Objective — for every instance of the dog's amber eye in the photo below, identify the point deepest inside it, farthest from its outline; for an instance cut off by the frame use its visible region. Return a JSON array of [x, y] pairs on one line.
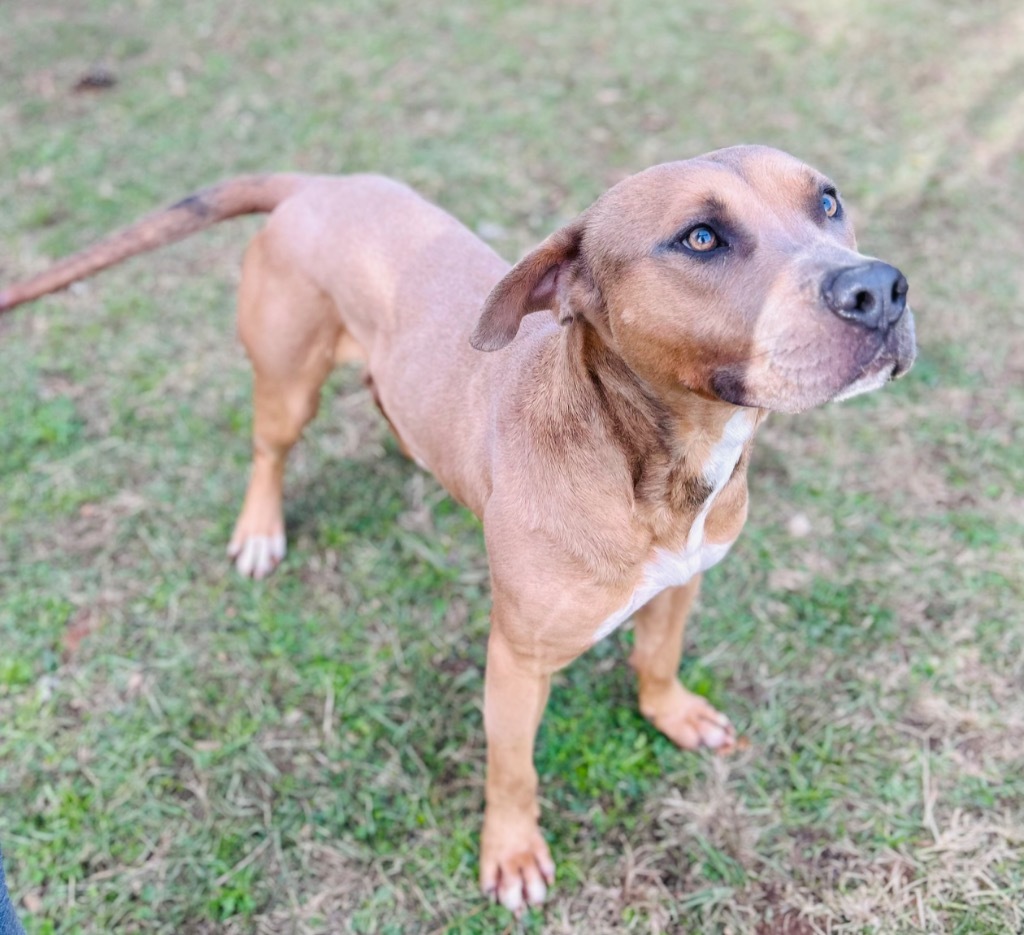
[[702, 239], [829, 204]]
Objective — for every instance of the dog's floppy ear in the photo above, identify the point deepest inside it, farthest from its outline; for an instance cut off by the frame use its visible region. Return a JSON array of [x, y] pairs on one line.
[[538, 281]]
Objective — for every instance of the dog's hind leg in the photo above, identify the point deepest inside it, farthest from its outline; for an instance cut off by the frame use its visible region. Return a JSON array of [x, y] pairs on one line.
[[292, 335]]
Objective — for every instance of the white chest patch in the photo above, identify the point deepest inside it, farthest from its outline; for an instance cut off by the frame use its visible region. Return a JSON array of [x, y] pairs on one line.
[[665, 569]]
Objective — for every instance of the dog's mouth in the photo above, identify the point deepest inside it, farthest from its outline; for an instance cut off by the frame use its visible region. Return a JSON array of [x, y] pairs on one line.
[[855, 362], [873, 378], [893, 358]]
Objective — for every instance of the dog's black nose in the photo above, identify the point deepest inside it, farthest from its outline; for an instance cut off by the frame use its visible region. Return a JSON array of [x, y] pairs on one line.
[[873, 295]]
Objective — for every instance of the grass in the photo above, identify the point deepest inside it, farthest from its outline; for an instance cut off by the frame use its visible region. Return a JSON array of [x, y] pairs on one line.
[[183, 751]]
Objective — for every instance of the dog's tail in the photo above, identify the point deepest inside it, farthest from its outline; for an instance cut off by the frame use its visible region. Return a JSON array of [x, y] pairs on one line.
[[246, 194]]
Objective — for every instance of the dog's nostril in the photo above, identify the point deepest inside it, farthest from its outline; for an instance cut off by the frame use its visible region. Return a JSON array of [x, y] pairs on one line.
[[900, 288], [864, 301]]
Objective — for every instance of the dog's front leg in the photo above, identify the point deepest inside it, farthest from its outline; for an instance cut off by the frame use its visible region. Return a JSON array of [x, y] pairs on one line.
[[685, 718], [515, 864]]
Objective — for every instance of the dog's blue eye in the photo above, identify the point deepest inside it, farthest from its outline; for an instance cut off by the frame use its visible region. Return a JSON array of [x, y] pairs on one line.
[[702, 239], [829, 204]]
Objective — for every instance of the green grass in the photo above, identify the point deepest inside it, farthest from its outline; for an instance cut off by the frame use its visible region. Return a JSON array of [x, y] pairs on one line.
[[183, 751]]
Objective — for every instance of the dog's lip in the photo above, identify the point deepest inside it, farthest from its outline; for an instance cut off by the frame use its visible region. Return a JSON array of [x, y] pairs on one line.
[[884, 357], [890, 359]]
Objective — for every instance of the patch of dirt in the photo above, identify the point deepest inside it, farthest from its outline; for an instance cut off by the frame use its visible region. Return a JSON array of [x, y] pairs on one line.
[[96, 524], [84, 622]]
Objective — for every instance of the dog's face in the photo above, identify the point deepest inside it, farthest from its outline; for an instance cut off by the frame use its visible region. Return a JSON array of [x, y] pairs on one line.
[[735, 275]]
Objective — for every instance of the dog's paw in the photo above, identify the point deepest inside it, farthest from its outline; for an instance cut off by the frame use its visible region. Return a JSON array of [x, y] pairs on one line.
[[690, 722], [256, 556], [516, 869]]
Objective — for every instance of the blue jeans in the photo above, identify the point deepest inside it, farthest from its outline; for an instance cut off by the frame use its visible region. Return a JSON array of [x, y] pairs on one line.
[[9, 924]]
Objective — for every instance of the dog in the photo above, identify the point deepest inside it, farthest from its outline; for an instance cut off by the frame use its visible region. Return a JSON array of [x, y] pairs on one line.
[[595, 404]]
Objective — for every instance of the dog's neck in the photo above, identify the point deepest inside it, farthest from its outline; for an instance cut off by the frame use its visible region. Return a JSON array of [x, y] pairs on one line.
[[665, 438]]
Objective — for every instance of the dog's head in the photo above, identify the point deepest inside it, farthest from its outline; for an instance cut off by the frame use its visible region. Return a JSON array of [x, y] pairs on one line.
[[735, 275]]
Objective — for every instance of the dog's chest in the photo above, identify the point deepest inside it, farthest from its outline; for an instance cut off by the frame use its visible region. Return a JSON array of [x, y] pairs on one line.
[[667, 568]]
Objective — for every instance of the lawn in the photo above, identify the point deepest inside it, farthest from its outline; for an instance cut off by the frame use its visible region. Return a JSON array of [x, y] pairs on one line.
[[185, 751]]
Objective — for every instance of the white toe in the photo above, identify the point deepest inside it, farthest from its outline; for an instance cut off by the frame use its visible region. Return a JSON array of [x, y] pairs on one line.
[[714, 737], [264, 560], [246, 558], [512, 897], [535, 892]]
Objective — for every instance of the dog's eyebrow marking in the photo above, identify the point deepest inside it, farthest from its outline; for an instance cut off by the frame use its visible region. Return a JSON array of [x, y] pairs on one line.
[[710, 210], [713, 207]]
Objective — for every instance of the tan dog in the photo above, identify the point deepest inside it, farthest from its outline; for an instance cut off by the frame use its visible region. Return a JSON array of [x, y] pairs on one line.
[[604, 445]]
